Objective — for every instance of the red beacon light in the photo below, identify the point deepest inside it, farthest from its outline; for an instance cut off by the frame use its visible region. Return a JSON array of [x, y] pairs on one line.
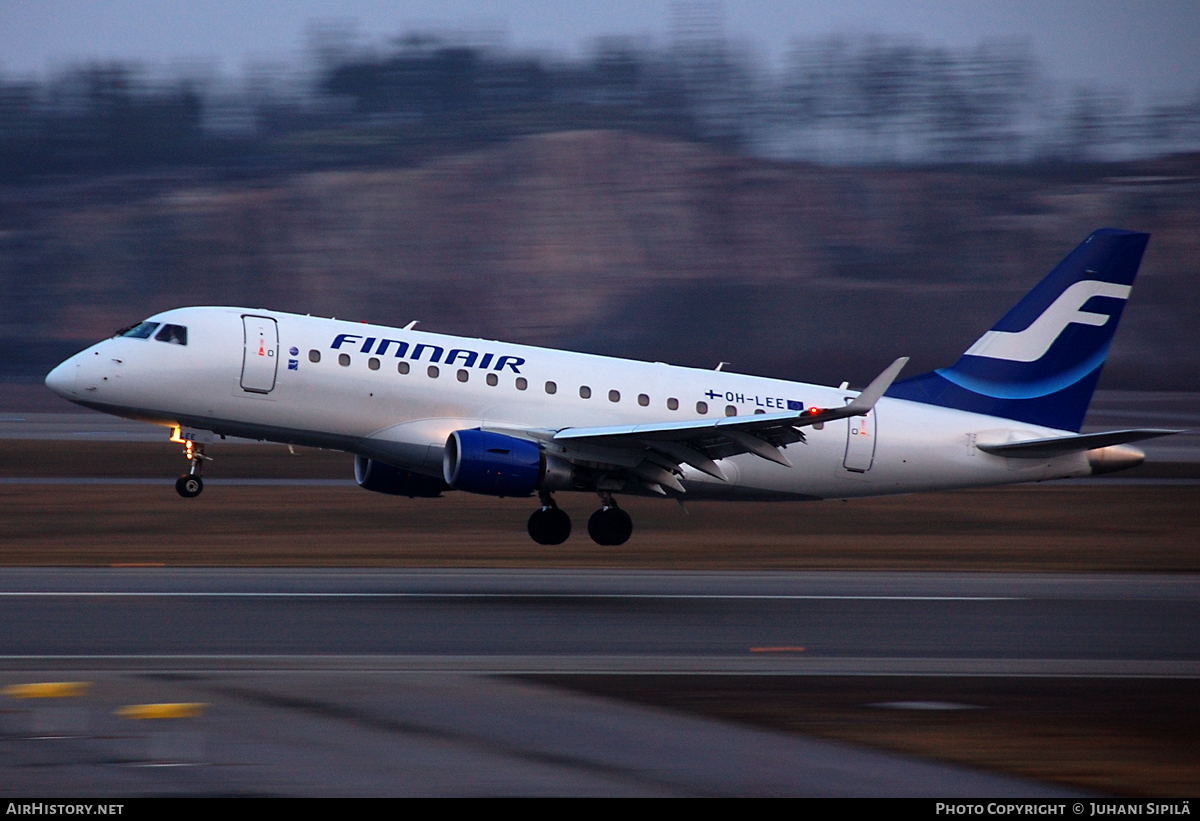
[[817, 424]]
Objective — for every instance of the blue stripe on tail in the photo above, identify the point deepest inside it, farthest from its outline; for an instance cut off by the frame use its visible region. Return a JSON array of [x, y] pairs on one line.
[[1040, 363]]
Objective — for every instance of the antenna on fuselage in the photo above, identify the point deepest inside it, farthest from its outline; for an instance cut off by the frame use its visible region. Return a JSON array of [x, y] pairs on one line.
[[721, 365], [411, 325]]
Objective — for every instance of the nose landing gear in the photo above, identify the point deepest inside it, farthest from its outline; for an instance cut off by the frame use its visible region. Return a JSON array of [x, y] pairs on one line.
[[610, 526], [189, 485], [548, 524]]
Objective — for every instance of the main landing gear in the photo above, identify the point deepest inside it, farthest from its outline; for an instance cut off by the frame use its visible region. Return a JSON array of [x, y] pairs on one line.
[[609, 526], [189, 485], [548, 524]]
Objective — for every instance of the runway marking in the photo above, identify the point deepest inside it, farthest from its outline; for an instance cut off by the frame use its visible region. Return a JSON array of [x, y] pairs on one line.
[[362, 595], [776, 649], [48, 689], [158, 711]]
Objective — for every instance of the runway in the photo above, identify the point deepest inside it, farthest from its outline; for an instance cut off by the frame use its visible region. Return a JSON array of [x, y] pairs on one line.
[[383, 682], [603, 621]]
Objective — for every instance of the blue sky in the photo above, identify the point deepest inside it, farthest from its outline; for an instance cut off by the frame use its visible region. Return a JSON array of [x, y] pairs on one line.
[[1148, 47]]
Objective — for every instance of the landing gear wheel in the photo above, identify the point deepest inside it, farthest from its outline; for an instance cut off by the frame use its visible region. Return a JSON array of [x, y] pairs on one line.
[[189, 486], [549, 525], [610, 526]]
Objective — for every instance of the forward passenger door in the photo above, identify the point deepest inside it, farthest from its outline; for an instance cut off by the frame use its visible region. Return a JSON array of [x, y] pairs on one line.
[[260, 359]]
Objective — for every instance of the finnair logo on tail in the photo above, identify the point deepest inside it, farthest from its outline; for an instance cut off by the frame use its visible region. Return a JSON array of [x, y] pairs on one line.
[[1032, 343]]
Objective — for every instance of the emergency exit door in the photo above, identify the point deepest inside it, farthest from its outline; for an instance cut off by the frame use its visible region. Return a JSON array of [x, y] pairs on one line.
[[860, 443], [260, 358]]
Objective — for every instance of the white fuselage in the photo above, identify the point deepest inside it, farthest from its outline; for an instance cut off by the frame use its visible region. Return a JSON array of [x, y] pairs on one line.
[[405, 418]]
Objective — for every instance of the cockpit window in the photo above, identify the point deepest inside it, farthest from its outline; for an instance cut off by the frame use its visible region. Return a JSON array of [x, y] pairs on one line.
[[142, 330], [175, 334]]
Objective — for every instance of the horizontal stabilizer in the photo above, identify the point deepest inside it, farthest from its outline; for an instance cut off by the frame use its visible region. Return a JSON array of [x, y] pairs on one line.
[[1059, 445]]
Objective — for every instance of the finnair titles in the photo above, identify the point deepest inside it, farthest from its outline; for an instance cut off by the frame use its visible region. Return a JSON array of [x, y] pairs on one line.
[[426, 413]]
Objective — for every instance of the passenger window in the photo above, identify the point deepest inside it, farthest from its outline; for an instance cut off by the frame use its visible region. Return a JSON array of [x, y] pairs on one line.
[[463, 376], [614, 396], [373, 363], [433, 371], [493, 380], [758, 411], [314, 356], [551, 387], [585, 392], [402, 367], [344, 360], [701, 407], [730, 410], [142, 330], [672, 404], [175, 334], [521, 383], [643, 400]]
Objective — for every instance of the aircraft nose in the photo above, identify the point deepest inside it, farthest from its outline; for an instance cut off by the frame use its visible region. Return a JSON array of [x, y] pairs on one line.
[[61, 380]]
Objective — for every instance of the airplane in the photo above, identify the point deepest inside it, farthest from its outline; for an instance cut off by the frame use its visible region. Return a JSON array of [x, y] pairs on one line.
[[424, 413]]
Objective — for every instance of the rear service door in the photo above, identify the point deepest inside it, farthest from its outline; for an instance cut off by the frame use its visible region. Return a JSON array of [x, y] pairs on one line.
[[261, 356], [860, 443]]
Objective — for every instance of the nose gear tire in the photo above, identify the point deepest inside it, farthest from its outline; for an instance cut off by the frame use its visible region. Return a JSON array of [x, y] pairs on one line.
[[189, 486]]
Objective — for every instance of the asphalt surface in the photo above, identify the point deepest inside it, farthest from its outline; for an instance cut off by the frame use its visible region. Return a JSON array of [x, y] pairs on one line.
[[396, 734], [604, 621], [369, 683]]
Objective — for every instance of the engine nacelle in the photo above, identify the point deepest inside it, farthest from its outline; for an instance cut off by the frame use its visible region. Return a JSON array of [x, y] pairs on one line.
[[497, 465], [384, 478]]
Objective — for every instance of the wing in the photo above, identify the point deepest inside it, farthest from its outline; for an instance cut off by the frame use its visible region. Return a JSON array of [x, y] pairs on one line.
[[651, 455]]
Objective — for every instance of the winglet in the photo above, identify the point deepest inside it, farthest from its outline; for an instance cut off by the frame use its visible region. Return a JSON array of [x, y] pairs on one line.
[[878, 387], [861, 404]]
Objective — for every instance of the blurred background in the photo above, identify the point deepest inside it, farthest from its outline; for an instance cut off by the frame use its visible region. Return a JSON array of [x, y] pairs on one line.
[[805, 193]]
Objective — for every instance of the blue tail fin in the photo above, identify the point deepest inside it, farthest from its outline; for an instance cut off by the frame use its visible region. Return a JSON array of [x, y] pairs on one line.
[[1040, 363]]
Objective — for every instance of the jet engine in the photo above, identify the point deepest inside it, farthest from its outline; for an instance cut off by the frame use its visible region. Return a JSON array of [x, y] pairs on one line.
[[384, 478], [497, 465]]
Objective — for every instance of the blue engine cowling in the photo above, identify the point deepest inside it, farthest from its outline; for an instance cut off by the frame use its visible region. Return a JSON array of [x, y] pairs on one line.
[[384, 478], [492, 463]]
